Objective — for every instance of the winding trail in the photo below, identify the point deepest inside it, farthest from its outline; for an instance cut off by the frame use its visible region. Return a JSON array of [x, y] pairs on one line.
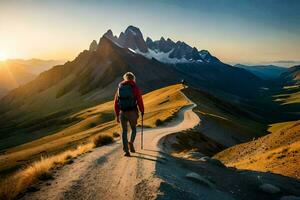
[[106, 174]]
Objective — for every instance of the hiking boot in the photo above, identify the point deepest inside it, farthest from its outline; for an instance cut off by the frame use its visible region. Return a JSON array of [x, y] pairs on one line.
[[131, 147], [127, 154]]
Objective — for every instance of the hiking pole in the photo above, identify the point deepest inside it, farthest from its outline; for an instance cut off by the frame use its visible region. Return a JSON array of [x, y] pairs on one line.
[[142, 132]]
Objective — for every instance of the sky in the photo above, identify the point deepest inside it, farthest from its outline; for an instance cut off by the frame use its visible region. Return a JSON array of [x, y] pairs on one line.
[[244, 31]]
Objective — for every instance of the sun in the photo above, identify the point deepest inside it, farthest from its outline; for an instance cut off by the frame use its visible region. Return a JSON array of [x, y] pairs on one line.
[[3, 56]]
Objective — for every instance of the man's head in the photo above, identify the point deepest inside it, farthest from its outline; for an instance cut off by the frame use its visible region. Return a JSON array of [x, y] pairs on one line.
[[129, 76]]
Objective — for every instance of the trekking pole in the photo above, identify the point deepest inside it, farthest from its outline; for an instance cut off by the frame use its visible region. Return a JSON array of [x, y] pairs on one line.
[[142, 132]]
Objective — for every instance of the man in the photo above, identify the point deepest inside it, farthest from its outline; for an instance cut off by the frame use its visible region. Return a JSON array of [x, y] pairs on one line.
[[128, 100]]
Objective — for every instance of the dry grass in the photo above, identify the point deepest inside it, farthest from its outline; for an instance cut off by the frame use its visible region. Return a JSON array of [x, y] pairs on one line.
[[116, 134], [290, 95], [102, 139], [160, 105], [163, 104], [11, 186], [278, 152]]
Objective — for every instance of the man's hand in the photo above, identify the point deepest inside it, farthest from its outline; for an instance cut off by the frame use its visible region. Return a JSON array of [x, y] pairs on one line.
[[118, 119]]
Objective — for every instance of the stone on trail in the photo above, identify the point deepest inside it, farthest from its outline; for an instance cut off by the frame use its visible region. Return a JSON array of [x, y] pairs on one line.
[[269, 188], [205, 158]]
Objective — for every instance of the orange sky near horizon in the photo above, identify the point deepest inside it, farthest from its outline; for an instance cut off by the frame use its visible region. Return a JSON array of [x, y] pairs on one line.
[[62, 29]]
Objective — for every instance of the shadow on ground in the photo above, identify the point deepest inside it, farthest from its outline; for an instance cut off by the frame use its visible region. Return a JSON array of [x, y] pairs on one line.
[[216, 181]]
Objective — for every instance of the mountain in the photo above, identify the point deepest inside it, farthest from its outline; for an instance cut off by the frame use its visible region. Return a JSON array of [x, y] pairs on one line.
[[15, 72], [34, 66], [264, 71], [12, 76], [92, 78], [166, 51], [291, 76], [199, 68]]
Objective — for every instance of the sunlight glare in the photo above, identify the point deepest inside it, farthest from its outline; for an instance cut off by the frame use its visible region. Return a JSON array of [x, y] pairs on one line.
[[3, 56]]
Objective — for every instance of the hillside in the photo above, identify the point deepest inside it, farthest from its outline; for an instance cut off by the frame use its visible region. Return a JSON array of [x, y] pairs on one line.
[[16, 72], [290, 77], [288, 91], [277, 152], [92, 77], [13, 76], [57, 133], [99, 73], [34, 66], [237, 122], [266, 72]]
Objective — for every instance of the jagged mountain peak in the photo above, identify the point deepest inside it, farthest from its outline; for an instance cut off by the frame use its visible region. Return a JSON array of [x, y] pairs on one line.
[[93, 45], [148, 40], [164, 50], [162, 39], [134, 30], [206, 56], [109, 33], [132, 38], [169, 40]]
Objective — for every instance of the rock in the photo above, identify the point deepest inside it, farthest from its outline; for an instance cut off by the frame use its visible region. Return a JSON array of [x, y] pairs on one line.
[[93, 46], [200, 179], [205, 158], [269, 188], [290, 198]]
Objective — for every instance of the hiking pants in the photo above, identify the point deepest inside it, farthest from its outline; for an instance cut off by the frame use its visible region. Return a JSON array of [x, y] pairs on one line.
[[131, 117]]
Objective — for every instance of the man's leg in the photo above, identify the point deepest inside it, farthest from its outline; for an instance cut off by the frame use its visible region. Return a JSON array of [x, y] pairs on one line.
[[133, 131], [124, 121], [132, 122]]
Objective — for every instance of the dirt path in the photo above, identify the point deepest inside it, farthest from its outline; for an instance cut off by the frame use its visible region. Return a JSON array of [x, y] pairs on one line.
[[152, 174], [106, 174]]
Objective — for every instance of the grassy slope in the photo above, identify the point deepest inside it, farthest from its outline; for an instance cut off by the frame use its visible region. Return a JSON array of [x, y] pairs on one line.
[[161, 104], [231, 119], [228, 115], [278, 152], [290, 95]]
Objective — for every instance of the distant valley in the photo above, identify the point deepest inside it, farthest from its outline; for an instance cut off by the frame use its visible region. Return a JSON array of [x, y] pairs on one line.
[[16, 72]]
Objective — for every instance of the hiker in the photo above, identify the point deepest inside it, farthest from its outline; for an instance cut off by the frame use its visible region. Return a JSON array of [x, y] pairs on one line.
[[128, 100]]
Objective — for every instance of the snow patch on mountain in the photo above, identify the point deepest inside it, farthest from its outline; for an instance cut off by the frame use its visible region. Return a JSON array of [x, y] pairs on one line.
[[161, 56]]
